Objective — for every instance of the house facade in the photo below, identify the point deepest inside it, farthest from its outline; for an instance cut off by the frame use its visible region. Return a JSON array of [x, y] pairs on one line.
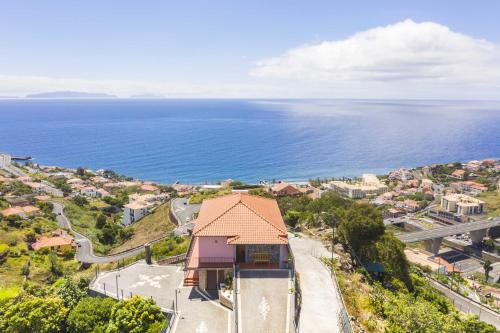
[[240, 230]]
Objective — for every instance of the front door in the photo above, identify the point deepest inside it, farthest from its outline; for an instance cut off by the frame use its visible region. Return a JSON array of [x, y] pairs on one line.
[[212, 280], [240, 253]]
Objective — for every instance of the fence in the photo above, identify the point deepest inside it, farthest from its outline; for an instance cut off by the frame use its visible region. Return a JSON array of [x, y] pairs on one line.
[[344, 322], [172, 318], [297, 302], [172, 260], [235, 291]]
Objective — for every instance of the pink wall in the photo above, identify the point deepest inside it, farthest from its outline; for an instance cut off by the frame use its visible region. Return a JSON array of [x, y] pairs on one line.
[[212, 247]]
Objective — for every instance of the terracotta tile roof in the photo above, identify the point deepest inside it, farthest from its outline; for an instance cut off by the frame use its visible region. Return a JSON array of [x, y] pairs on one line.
[[44, 241], [20, 209], [12, 211], [244, 218], [149, 187]]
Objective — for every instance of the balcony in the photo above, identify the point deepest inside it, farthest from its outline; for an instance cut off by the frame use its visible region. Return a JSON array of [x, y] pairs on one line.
[[209, 262]]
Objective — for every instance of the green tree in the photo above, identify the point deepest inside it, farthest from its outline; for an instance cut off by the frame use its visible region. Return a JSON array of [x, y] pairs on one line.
[[292, 218], [80, 200], [90, 315], [101, 221], [135, 315], [71, 292], [390, 252], [361, 226], [46, 207], [13, 221], [54, 264], [33, 314], [487, 269], [80, 171], [107, 234]]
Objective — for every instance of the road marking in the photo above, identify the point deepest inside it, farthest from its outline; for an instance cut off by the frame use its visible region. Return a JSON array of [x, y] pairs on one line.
[[264, 308], [202, 328], [151, 281]]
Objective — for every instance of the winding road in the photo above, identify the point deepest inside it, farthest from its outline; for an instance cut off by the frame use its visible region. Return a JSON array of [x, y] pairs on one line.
[[84, 250]]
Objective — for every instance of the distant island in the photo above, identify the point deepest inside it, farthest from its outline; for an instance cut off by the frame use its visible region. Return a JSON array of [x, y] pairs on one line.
[[69, 94]]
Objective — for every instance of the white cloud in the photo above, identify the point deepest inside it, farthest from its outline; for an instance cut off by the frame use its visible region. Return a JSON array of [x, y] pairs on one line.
[[403, 52], [403, 60]]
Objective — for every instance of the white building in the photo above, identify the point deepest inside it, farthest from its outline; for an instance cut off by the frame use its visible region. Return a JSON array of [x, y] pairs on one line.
[[135, 211], [369, 186], [462, 204], [5, 160]]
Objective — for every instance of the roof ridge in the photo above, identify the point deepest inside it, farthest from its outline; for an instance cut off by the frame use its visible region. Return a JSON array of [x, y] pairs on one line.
[[260, 215], [224, 212]]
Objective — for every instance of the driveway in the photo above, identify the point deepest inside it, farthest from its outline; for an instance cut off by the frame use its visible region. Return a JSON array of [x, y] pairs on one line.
[[199, 314], [321, 302], [149, 281], [264, 301]]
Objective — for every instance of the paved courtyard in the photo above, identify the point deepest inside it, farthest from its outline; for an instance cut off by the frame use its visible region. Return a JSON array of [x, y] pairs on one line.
[[151, 281], [264, 301], [199, 314]]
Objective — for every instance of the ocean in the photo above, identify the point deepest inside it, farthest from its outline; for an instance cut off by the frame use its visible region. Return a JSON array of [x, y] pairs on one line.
[[203, 141]]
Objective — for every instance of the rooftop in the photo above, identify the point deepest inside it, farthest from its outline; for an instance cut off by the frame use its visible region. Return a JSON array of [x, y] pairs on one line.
[[244, 218]]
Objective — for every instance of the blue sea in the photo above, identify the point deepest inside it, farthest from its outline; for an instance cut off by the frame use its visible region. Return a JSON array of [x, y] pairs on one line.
[[202, 141]]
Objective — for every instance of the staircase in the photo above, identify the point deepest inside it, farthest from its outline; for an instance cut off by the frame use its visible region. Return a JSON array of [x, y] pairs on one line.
[[191, 278]]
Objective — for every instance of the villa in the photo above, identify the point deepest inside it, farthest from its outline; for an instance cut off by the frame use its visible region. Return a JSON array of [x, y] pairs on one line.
[[58, 241], [236, 229], [284, 189]]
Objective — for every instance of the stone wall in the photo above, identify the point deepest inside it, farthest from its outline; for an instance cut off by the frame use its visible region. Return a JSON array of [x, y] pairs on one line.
[[273, 250]]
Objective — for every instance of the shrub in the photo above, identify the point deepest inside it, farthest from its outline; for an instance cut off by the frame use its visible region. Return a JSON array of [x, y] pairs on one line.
[[135, 315], [91, 315]]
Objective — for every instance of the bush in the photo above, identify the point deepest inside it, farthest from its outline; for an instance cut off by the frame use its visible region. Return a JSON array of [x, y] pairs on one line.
[[80, 201], [91, 315], [135, 315], [71, 293], [33, 314]]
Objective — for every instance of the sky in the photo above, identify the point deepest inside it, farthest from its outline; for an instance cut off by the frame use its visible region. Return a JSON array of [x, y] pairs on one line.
[[252, 49]]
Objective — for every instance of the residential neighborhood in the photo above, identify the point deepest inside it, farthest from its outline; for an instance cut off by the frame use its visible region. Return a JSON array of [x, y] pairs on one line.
[[235, 257]]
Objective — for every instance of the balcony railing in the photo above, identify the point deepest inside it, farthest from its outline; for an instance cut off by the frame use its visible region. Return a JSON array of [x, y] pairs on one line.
[[210, 262]]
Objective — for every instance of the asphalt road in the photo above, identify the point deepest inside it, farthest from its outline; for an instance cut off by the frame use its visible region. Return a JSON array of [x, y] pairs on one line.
[[467, 306], [84, 250], [184, 213]]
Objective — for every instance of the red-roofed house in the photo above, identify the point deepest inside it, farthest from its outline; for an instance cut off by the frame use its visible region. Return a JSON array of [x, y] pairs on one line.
[[284, 188], [236, 229], [458, 174], [150, 188], [60, 240], [22, 211]]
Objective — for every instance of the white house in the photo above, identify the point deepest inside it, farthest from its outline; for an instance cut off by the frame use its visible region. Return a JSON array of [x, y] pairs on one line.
[[5, 160], [135, 211]]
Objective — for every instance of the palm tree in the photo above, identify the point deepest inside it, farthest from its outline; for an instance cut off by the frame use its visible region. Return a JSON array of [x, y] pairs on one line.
[[487, 269]]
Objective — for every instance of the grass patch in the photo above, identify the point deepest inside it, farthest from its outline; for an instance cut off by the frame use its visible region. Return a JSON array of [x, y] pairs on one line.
[[492, 200], [151, 227], [7, 293], [170, 247], [198, 197]]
